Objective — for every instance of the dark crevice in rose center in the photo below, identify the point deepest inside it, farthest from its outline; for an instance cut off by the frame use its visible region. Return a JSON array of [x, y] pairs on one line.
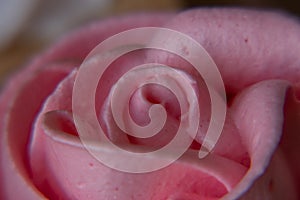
[[61, 121], [291, 137]]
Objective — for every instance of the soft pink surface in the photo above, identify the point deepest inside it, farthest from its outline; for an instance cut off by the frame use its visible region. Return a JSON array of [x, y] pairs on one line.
[[255, 158]]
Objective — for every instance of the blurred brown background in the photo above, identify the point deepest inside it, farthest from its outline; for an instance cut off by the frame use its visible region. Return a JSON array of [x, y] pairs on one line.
[[36, 31]]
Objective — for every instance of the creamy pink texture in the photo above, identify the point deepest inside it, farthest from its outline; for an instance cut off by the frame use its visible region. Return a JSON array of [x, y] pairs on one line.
[[255, 158]]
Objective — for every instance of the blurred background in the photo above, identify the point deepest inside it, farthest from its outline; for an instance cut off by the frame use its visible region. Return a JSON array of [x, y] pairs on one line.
[[27, 26]]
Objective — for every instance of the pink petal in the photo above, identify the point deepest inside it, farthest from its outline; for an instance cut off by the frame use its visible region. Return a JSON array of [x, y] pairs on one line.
[[260, 124], [247, 45], [20, 105]]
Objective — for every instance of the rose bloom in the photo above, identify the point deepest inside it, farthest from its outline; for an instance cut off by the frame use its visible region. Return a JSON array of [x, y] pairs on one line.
[[256, 157]]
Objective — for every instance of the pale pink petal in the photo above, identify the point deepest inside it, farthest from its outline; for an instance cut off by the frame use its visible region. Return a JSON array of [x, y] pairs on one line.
[[259, 113], [20, 106], [247, 45]]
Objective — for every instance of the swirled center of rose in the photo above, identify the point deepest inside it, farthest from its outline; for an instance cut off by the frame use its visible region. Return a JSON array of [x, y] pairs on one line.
[[152, 108]]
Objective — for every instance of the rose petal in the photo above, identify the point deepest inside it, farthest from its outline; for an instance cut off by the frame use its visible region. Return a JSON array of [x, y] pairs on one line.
[[20, 105], [260, 124], [247, 45]]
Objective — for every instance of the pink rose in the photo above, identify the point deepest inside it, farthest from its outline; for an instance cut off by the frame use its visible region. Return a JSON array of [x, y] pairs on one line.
[[256, 156]]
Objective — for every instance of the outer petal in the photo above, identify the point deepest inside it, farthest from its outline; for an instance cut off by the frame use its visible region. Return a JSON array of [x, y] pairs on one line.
[[19, 105], [247, 45], [258, 113]]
